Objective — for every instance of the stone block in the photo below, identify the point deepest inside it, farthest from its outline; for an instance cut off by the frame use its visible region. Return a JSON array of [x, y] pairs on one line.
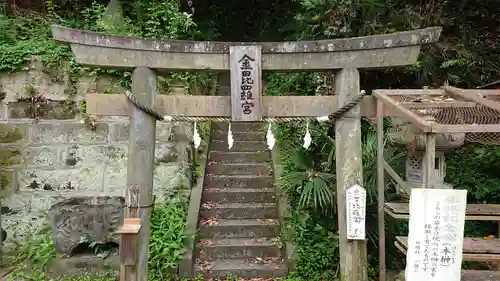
[[20, 228], [166, 178], [120, 132], [181, 132], [80, 179], [43, 109], [7, 182], [69, 133], [41, 156], [28, 203], [13, 133], [3, 110], [79, 156], [9, 157], [115, 175], [85, 219], [13, 84]]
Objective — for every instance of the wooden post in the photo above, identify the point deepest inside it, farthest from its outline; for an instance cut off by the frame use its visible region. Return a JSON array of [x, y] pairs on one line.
[[381, 189], [430, 160], [349, 170], [246, 86], [129, 233], [140, 166]]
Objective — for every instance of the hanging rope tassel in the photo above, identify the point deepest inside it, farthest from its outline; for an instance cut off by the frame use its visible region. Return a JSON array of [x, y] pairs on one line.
[[196, 136], [271, 140], [307, 137], [230, 140]]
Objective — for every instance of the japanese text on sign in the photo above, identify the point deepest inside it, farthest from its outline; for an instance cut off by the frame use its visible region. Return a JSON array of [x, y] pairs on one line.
[[246, 83], [356, 212], [436, 230], [246, 73]]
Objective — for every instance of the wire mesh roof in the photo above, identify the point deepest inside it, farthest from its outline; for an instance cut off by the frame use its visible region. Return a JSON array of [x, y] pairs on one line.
[[474, 112]]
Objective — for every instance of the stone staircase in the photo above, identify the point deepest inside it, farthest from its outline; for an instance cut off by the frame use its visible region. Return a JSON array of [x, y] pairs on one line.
[[239, 226]]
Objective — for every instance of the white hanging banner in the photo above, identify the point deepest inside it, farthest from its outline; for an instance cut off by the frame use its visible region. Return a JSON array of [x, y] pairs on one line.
[[356, 212], [436, 234], [271, 140], [230, 140], [307, 137], [196, 136]]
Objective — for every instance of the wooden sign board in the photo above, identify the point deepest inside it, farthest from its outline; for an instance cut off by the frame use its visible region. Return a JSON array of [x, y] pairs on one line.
[[246, 86], [436, 234], [356, 212]]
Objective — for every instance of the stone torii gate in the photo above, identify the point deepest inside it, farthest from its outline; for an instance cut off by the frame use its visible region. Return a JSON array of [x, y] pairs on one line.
[[145, 56]]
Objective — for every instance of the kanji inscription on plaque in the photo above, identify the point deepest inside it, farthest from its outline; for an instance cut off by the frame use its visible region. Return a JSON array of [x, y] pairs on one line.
[[246, 75], [436, 234], [356, 212]]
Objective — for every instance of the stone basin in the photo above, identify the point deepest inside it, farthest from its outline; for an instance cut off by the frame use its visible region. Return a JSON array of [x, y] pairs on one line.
[[85, 219]]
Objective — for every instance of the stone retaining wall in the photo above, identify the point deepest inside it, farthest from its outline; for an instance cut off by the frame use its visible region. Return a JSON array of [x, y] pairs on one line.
[[60, 156]]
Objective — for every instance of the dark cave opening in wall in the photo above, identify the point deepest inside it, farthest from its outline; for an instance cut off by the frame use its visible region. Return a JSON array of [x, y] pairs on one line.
[[96, 249]]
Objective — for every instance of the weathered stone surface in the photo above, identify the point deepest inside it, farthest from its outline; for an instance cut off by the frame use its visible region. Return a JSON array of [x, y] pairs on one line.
[[85, 219], [20, 227], [167, 177], [51, 160], [392, 40], [181, 132], [44, 109], [55, 85], [27, 203], [46, 156], [89, 178], [69, 132], [78, 156], [10, 133], [120, 131], [84, 265], [9, 156], [7, 182]]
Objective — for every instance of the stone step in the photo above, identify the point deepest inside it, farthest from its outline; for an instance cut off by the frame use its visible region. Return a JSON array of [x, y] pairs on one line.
[[239, 157], [240, 136], [255, 146], [239, 195], [251, 228], [237, 248], [239, 181], [242, 268], [256, 169], [240, 127], [239, 210]]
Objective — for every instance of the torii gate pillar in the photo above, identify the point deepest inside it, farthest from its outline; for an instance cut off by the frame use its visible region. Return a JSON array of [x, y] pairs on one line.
[[349, 171]]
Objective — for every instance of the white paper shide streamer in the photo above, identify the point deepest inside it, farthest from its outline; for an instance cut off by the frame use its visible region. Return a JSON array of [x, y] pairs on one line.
[[230, 140], [271, 140], [307, 137], [196, 136]]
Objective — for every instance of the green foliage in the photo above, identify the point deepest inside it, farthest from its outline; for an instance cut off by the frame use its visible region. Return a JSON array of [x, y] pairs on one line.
[[317, 247], [26, 34], [168, 237], [309, 182], [33, 255], [167, 241], [480, 176]]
